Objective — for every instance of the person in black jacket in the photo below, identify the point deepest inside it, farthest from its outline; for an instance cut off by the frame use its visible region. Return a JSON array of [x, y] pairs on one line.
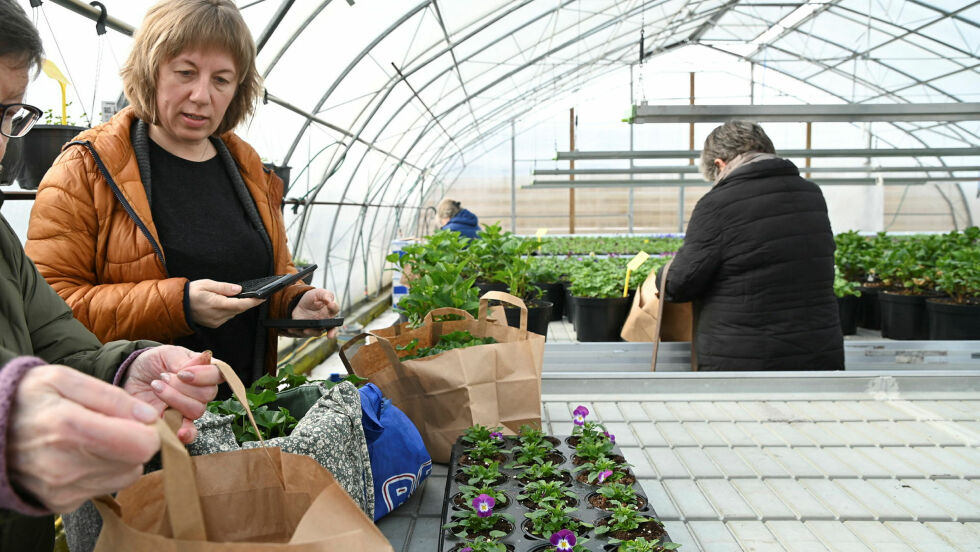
[[758, 261]]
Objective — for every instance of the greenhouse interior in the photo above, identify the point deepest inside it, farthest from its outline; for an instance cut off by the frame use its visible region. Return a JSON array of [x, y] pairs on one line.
[[498, 276]]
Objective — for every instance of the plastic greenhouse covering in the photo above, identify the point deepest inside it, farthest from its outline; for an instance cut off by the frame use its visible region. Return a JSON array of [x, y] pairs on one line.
[[383, 107]]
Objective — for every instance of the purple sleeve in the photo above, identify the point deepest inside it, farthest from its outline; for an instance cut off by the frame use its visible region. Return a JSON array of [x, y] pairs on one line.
[[10, 376], [124, 367]]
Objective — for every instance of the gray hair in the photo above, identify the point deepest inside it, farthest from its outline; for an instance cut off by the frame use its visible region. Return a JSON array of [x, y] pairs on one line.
[[448, 208], [18, 37], [729, 141]]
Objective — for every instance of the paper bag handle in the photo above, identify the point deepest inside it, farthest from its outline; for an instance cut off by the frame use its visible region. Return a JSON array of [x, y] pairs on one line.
[[662, 288], [446, 310], [506, 298], [386, 347]]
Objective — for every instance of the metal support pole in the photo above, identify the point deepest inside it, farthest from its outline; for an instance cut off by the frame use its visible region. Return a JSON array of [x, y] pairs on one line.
[[513, 178], [571, 165], [629, 206], [809, 144], [690, 145]]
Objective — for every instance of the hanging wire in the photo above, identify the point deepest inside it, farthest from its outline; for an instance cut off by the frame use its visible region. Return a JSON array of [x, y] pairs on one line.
[[643, 24]]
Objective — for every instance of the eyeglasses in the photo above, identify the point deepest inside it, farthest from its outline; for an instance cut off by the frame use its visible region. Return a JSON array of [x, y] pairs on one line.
[[17, 120]]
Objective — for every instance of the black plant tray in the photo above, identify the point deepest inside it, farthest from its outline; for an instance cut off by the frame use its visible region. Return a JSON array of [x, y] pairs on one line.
[[518, 539]]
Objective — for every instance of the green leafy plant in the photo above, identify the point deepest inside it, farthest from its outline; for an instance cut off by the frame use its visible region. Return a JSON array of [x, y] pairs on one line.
[[453, 340], [489, 253], [598, 468], [623, 518], [958, 274], [844, 287], [483, 451], [444, 286], [516, 269], [619, 493], [469, 492], [272, 422], [531, 453], [481, 475], [592, 446], [641, 544], [553, 516], [530, 435], [539, 491], [480, 519], [538, 471], [476, 433], [483, 544]]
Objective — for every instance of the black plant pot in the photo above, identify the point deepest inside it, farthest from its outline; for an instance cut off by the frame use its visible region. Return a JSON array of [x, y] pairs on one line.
[[538, 317], [554, 293], [569, 303], [952, 321], [903, 316], [869, 310], [848, 309], [40, 148], [490, 286], [601, 319]]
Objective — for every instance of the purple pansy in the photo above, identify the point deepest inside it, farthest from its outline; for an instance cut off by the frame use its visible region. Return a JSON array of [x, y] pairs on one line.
[[483, 505], [610, 436], [604, 475], [579, 414], [497, 435], [467, 549], [563, 540]]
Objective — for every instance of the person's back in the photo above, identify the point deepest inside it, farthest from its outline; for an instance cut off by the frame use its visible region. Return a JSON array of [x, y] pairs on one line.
[[758, 262], [453, 217]]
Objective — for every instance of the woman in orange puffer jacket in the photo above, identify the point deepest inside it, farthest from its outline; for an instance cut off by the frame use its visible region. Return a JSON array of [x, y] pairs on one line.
[[143, 223]]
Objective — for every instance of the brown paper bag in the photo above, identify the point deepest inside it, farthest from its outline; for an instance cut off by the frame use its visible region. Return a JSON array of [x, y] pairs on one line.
[[244, 500], [642, 322], [496, 316], [493, 385]]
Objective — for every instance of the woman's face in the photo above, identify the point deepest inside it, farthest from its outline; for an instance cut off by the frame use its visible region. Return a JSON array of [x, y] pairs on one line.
[[14, 76], [193, 93]]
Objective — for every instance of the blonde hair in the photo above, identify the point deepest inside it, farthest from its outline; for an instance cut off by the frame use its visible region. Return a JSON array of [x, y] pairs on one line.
[[448, 208], [173, 26]]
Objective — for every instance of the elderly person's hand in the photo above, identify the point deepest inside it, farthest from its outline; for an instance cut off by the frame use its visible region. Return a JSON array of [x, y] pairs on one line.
[[72, 437], [170, 376], [315, 304], [213, 303]]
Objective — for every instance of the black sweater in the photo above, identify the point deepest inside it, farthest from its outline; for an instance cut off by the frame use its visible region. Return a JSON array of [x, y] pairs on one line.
[[758, 263]]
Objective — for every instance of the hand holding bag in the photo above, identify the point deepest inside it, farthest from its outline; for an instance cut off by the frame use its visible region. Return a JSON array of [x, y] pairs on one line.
[[244, 500], [497, 384]]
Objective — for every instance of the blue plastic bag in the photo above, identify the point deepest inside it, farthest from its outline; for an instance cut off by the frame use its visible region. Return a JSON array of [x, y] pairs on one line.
[[399, 461]]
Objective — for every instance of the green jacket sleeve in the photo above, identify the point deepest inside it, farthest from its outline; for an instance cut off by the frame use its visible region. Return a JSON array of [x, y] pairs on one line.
[[36, 321]]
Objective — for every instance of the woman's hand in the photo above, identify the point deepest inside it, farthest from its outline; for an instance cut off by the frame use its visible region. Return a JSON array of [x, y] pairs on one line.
[[73, 437], [315, 304], [174, 377], [212, 303]]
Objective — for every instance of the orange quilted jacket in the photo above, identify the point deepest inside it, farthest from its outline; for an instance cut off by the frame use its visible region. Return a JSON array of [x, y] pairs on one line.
[[96, 251]]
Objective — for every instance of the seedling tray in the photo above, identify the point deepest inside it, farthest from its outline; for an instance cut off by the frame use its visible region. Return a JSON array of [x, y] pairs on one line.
[[518, 539]]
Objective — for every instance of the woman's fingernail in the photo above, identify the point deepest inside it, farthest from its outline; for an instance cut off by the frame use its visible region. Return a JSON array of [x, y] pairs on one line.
[[186, 376], [144, 412], [165, 376], [158, 386]]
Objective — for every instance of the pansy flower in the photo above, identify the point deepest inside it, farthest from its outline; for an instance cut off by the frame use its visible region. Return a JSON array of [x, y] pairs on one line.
[[497, 435], [604, 475], [483, 505], [467, 549], [579, 414], [610, 436], [563, 540]]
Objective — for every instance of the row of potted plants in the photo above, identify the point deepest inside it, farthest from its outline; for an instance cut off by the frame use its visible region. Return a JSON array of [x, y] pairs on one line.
[[911, 286], [571, 495], [620, 245]]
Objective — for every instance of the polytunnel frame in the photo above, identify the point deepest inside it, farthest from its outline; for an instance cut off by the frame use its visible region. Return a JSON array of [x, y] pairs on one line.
[[712, 17]]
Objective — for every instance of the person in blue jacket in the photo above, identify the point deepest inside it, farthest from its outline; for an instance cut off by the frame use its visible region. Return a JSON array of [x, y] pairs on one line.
[[452, 216]]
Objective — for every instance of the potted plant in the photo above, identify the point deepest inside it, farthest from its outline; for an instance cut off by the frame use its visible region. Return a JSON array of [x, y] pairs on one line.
[[515, 273], [42, 145], [627, 523], [488, 257], [536, 492], [481, 475], [482, 544], [544, 471], [641, 544], [848, 293], [551, 517], [906, 270], [597, 292], [958, 275], [591, 447], [480, 520], [613, 494], [529, 435], [545, 273], [527, 454], [484, 452], [467, 493]]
